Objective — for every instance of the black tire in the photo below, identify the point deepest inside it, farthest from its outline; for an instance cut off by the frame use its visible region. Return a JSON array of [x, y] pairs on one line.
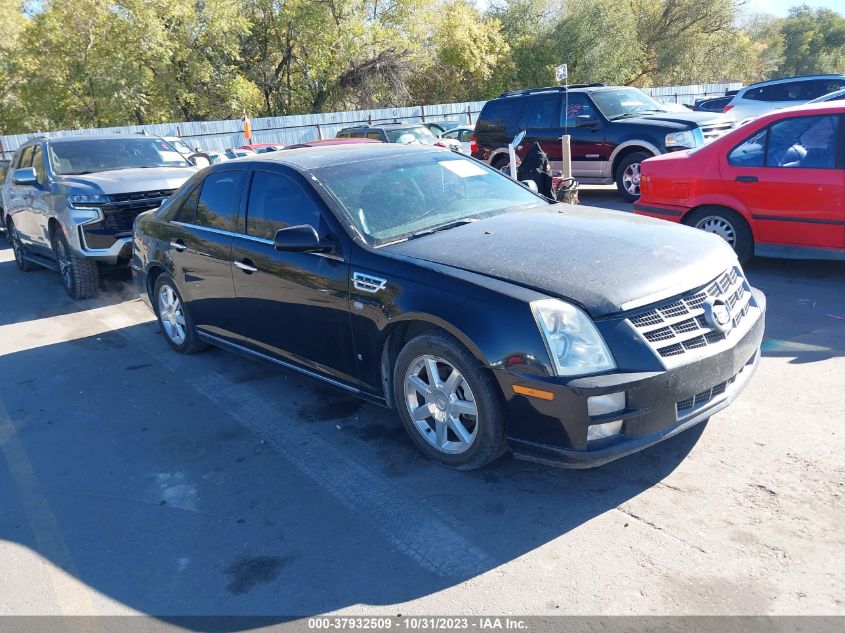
[[19, 250], [725, 223], [190, 344], [630, 161], [80, 276], [489, 441]]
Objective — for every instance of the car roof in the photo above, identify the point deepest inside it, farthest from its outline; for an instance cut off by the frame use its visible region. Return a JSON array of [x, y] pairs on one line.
[[307, 158], [331, 141], [830, 107]]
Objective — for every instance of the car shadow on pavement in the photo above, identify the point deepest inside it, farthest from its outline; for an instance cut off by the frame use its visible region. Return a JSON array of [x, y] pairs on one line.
[[806, 308], [39, 289], [212, 485]]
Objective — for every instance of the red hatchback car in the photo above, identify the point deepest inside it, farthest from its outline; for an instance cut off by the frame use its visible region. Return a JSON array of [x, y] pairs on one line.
[[774, 187]]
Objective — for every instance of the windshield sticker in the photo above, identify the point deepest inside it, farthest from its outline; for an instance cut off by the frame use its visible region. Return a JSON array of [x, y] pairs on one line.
[[463, 168]]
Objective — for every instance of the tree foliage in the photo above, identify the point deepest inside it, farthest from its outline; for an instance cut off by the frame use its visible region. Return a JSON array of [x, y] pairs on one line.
[[80, 63]]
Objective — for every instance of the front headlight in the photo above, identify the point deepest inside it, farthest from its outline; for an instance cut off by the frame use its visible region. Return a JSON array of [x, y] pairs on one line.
[[82, 199], [574, 343], [683, 140]]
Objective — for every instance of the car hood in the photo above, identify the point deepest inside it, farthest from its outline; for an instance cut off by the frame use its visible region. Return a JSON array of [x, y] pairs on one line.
[[690, 119], [131, 180], [606, 261]]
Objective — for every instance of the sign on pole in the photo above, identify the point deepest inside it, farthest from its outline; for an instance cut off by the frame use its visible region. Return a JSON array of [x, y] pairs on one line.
[[562, 72]]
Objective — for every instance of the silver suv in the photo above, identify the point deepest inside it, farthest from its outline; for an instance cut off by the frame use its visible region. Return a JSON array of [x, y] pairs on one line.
[[70, 202], [765, 96]]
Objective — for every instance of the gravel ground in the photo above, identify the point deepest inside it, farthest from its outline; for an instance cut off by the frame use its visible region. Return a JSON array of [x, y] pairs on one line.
[[135, 480]]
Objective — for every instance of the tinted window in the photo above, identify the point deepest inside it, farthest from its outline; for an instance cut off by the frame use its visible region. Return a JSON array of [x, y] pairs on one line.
[[751, 153], [38, 166], [542, 111], [808, 142], [218, 203], [789, 91], [374, 135], [188, 211], [276, 202], [826, 86], [343, 134], [497, 114], [577, 105]]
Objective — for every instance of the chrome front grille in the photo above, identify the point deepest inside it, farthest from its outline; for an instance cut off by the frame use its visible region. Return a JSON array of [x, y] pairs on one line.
[[682, 325]]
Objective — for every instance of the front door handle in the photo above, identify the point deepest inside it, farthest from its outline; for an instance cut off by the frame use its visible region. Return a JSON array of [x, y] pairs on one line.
[[746, 178], [179, 245], [246, 266]]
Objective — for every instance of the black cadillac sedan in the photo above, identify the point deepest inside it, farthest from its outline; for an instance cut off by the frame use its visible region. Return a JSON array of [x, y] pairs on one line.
[[490, 318]]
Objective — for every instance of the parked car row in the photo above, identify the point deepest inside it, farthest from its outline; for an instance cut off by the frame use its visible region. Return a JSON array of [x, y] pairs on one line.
[[413, 277]]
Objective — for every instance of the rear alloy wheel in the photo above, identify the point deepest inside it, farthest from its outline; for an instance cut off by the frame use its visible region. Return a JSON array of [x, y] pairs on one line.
[[18, 249], [173, 317], [80, 275], [448, 402], [628, 175], [728, 225]]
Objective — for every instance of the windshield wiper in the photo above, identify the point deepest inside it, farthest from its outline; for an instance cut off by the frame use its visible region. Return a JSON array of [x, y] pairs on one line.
[[442, 227], [625, 116]]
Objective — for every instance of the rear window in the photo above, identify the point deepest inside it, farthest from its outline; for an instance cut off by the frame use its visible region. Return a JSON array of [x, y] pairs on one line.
[[496, 115]]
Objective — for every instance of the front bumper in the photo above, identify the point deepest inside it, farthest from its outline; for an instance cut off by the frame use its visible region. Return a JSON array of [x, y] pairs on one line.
[[659, 405]]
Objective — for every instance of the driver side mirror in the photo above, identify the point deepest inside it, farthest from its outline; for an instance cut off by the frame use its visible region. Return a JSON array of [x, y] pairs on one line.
[[25, 177], [199, 160], [301, 238]]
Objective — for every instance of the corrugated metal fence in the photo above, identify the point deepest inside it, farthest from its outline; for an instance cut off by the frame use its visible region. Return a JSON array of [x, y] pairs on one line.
[[308, 127]]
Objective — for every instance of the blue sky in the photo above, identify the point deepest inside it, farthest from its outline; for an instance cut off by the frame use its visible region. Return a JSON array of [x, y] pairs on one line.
[[781, 7]]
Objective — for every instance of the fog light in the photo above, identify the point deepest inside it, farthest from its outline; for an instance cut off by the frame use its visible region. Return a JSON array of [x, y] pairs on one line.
[[601, 431], [608, 403]]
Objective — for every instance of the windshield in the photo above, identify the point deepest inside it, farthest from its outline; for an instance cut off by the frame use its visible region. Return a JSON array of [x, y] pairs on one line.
[[395, 197], [411, 135], [86, 157], [624, 102]]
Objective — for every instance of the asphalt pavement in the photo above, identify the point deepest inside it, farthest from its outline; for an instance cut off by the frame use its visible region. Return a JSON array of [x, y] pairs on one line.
[[136, 480]]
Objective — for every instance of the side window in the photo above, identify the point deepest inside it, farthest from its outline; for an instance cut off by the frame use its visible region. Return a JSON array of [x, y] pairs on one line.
[[466, 136], [276, 202], [38, 166], [188, 211], [374, 135], [343, 134], [822, 87], [359, 134], [218, 201], [807, 142], [496, 115], [752, 152], [577, 105], [542, 112], [26, 158]]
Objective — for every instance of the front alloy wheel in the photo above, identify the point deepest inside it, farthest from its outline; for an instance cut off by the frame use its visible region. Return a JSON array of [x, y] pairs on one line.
[[171, 315], [441, 405], [450, 404]]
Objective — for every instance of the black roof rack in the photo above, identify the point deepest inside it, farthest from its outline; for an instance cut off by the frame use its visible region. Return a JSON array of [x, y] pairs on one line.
[[529, 91]]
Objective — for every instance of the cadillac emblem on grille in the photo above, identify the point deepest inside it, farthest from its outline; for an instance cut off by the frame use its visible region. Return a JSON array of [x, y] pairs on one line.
[[718, 314]]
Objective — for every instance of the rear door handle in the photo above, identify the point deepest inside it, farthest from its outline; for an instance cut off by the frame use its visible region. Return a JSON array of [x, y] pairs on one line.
[[746, 178], [179, 245], [246, 266]]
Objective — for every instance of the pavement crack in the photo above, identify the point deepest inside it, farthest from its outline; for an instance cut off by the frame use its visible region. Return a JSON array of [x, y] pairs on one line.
[[654, 526]]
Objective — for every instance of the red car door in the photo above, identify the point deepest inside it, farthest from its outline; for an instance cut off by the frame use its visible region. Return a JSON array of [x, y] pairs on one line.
[[790, 177]]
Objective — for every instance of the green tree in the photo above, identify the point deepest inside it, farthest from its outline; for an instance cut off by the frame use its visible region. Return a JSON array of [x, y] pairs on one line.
[[813, 42], [12, 26]]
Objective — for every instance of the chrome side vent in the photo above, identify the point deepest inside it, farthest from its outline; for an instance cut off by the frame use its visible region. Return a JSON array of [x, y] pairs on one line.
[[368, 283]]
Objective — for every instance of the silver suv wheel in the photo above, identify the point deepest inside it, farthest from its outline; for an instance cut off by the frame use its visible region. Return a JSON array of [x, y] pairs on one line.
[[441, 404]]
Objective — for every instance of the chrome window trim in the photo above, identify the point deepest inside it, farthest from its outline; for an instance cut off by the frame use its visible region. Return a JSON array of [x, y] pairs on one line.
[[252, 238]]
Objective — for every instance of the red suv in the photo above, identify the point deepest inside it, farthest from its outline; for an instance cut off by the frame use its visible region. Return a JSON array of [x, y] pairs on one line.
[[774, 187]]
